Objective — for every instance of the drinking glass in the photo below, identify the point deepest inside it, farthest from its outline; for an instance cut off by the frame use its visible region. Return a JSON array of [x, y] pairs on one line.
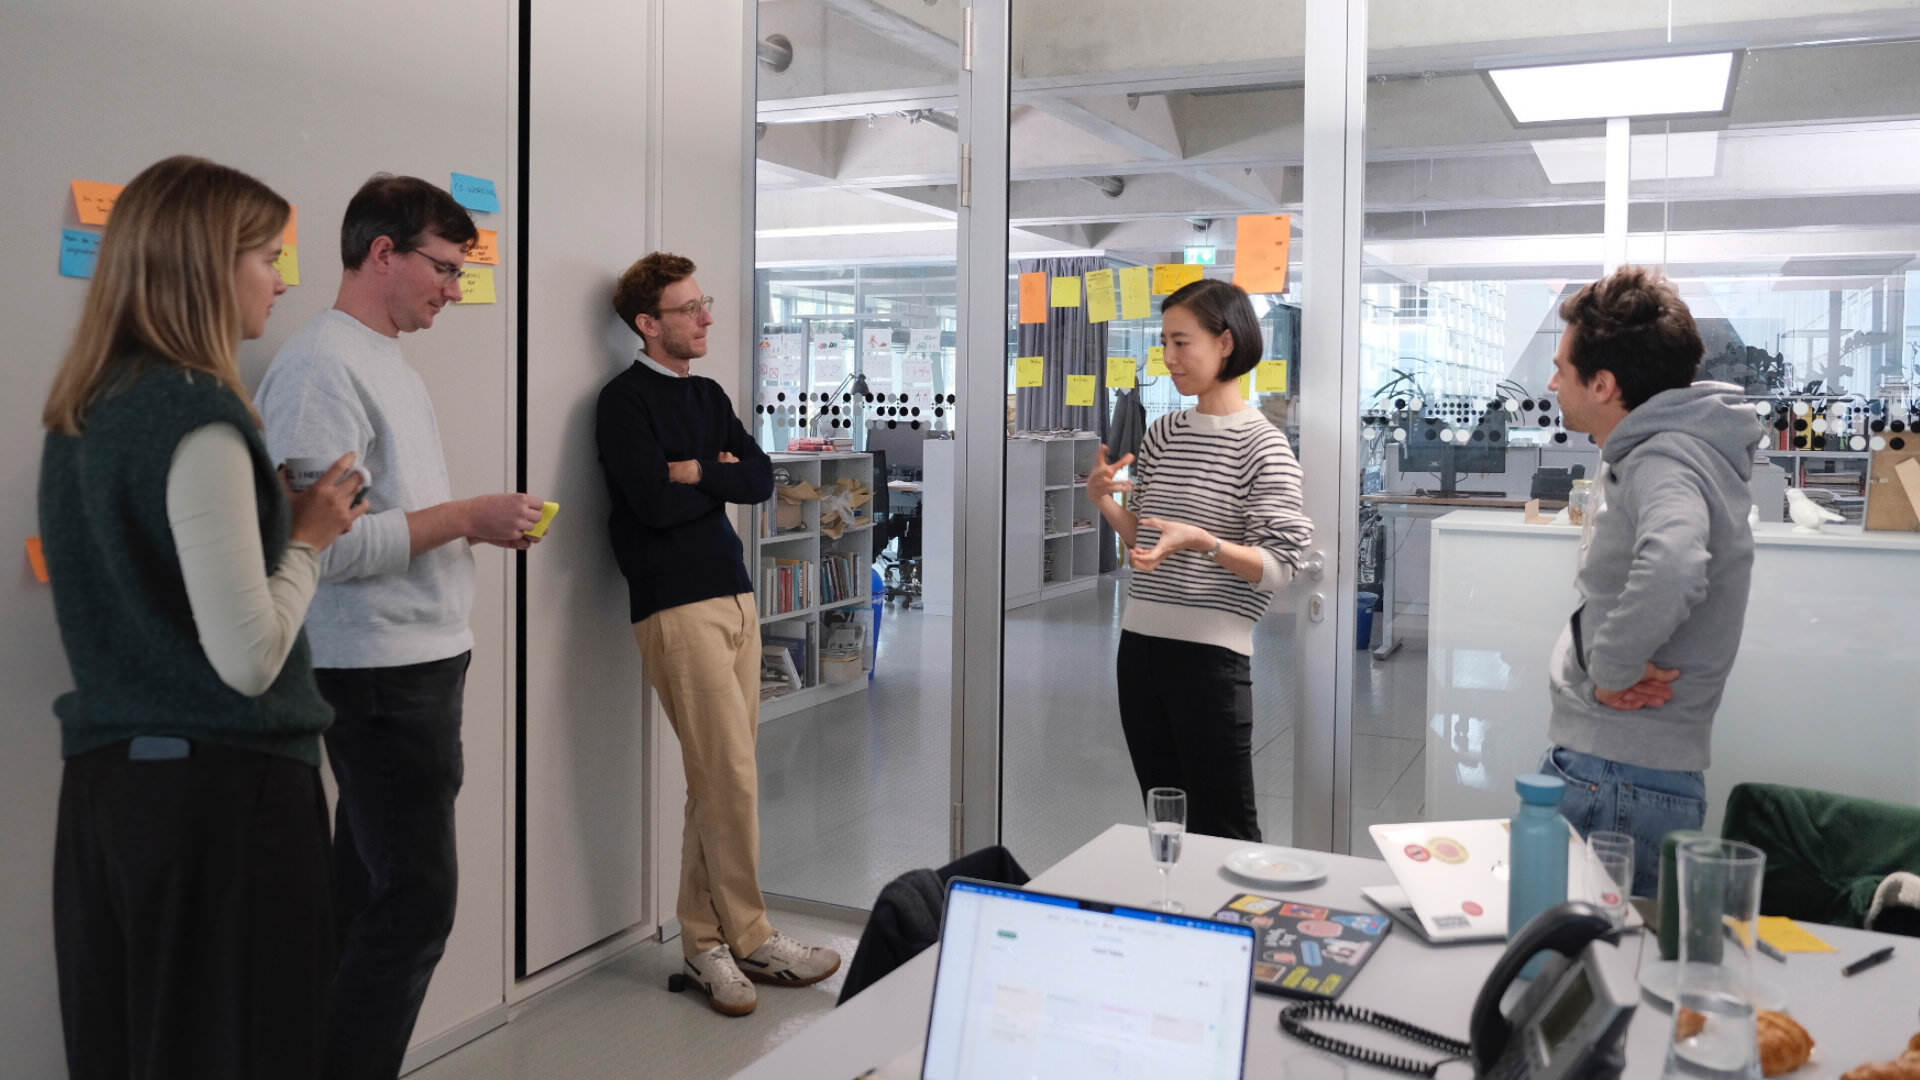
[[1166, 826], [1713, 1030], [1613, 851]]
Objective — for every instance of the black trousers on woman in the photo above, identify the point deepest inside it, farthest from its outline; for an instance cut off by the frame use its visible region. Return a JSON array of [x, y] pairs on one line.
[[192, 925], [1187, 710]]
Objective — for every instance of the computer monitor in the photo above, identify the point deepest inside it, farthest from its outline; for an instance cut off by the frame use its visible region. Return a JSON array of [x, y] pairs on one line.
[[1434, 445], [905, 447]]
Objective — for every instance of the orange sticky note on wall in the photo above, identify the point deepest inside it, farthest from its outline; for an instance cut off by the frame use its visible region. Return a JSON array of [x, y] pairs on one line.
[[486, 249], [291, 234], [93, 200], [1262, 243], [37, 559], [1033, 297]]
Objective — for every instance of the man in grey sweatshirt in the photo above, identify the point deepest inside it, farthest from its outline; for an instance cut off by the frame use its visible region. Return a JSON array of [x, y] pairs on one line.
[[1639, 669]]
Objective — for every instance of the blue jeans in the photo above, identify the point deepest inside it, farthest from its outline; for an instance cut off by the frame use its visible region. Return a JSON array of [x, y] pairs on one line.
[[1646, 804]]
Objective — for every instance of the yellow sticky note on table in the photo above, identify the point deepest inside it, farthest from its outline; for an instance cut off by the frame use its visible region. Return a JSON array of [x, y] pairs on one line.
[[1168, 278], [486, 249], [1272, 376], [1157, 360], [1100, 296], [1066, 292], [476, 285], [1788, 936], [1030, 371], [93, 200], [547, 510], [288, 263], [1134, 283], [1079, 389], [1033, 297], [1121, 374]]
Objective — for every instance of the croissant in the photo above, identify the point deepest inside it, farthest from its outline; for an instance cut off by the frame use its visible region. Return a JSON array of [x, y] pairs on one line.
[[1784, 1044], [1904, 1067]]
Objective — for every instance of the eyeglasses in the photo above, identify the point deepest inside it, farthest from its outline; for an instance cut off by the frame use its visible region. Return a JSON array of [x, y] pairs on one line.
[[691, 309], [449, 272]]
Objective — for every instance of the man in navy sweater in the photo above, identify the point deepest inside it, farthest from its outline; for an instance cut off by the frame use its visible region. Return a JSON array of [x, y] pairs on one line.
[[675, 455]]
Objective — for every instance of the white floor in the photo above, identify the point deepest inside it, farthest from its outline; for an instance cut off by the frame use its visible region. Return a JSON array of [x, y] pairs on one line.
[[856, 791]]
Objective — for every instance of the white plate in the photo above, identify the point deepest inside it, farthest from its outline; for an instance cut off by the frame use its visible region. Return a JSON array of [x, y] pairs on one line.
[[1657, 976], [1277, 865]]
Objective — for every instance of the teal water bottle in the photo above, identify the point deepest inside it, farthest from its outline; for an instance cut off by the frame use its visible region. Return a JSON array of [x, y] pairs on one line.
[[1536, 855]]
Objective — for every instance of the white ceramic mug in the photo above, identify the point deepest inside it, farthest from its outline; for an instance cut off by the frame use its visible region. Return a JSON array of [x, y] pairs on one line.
[[304, 472]]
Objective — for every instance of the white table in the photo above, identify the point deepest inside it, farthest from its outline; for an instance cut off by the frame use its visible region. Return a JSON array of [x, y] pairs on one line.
[[1865, 1018]]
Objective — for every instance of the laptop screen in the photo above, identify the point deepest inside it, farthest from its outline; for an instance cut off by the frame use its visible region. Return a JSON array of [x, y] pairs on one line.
[[1037, 985]]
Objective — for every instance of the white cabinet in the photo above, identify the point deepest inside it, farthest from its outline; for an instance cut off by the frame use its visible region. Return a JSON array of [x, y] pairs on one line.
[[814, 591], [1053, 531]]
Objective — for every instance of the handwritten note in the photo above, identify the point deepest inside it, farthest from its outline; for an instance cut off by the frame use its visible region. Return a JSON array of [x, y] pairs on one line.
[[1272, 376], [476, 285], [1121, 374], [1080, 390], [1030, 371], [93, 200], [486, 249], [1261, 246], [476, 194], [79, 250], [1134, 286], [1157, 360], [37, 559], [1168, 278], [1100, 297], [1033, 297], [289, 263]]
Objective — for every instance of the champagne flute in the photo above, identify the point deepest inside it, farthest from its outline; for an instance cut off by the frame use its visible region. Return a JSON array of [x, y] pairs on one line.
[[1166, 826]]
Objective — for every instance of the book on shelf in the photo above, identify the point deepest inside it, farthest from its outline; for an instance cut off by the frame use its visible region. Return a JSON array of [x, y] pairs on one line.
[[838, 577], [786, 585], [782, 661]]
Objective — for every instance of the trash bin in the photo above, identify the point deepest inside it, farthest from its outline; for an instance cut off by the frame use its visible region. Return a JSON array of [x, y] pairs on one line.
[[1363, 620], [879, 605]]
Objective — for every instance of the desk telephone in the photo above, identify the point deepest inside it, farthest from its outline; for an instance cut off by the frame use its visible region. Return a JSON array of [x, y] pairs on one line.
[[1570, 1023]]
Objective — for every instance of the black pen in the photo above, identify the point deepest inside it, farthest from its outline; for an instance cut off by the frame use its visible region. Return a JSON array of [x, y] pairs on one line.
[[1879, 957]]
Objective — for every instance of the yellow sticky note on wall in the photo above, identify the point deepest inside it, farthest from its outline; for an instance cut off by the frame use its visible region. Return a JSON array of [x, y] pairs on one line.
[[1246, 386], [1030, 371], [1134, 303], [1100, 306], [486, 250], [1079, 389], [1066, 292], [1157, 360], [476, 285], [1272, 376], [1168, 278], [1121, 374], [93, 200], [288, 263]]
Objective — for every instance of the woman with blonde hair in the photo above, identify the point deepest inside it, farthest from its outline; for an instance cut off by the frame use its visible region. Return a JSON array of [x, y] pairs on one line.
[[191, 922]]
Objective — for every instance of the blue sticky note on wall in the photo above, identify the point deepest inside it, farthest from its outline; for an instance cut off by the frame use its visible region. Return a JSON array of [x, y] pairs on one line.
[[79, 250], [475, 194]]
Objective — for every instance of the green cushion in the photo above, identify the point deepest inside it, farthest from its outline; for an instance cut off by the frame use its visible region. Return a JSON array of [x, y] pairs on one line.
[[1826, 853]]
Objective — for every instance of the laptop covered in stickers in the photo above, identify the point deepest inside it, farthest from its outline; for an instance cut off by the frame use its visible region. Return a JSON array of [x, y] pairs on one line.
[[1305, 950]]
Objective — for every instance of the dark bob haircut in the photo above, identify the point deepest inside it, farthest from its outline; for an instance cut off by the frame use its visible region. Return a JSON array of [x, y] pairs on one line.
[[1634, 324], [405, 208], [1223, 308]]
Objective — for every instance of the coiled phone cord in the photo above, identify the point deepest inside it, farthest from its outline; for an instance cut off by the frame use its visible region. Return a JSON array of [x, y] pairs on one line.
[[1294, 1018]]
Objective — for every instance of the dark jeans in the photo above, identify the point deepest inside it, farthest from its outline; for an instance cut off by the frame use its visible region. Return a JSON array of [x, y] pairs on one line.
[[190, 917], [1187, 711], [395, 751], [1644, 803]]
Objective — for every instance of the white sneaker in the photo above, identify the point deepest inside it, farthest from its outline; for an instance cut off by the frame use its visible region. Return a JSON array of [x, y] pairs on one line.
[[787, 962], [728, 991]]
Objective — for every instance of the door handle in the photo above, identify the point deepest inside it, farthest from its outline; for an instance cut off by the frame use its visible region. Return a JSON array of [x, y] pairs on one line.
[[1316, 566]]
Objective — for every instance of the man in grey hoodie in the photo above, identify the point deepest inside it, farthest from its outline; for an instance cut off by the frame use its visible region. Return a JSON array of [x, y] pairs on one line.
[[1638, 671]]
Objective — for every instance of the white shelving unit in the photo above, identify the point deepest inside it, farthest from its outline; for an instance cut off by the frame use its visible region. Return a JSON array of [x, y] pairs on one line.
[[806, 547], [1053, 532]]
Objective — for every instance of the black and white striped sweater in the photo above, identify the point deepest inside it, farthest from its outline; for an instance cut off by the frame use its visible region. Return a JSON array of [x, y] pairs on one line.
[[1236, 477]]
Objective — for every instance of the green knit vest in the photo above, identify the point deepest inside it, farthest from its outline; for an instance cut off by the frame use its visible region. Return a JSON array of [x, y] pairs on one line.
[[138, 668]]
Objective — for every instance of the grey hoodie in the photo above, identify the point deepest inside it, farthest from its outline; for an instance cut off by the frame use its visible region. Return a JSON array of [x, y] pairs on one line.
[[1664, 579]]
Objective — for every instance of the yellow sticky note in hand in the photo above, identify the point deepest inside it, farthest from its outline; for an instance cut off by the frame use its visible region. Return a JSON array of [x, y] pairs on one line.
[[547, 510], [476, 285], [1121, 374], [1788, 936], [1157, 360], [1080, 390], [1030, 371]]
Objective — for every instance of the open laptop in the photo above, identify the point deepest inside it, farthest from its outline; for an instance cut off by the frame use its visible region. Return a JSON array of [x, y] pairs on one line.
[[1452, 878], [1031, 984]]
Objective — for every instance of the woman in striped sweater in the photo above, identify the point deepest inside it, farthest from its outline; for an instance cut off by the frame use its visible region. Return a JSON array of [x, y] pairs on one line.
[[1216, 525]]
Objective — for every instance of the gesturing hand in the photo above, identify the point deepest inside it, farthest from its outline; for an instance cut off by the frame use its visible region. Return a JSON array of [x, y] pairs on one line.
[[1655, 688], [498, 518], [1174, 536], [1100, 482], [324, 512]]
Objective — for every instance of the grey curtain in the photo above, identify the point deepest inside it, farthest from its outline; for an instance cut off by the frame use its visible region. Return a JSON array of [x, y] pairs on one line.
[[1072, 346]]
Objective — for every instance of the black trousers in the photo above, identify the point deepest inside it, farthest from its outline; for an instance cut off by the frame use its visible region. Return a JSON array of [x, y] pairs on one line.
[[1187, 711], [395, 751], [191, 925]]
